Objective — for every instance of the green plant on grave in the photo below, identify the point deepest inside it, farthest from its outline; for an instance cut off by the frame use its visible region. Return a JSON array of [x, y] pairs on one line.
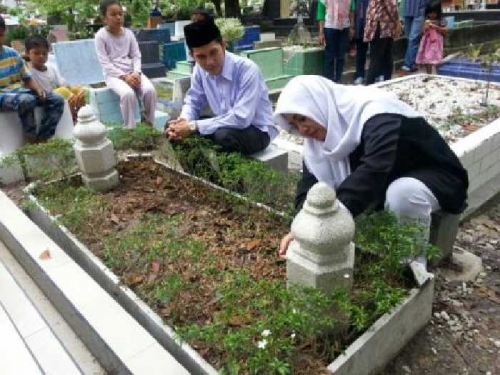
[[44, 161], [231, 29], [486, 61], [233, 171], [381, 234], [140, 138]]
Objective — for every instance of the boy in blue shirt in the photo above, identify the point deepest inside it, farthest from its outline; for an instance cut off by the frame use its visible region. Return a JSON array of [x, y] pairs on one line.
[[20, 93]]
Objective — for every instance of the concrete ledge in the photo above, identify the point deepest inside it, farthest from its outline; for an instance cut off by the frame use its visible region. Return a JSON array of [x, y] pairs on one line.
[[273, 157], [376, 347], [119, 343]]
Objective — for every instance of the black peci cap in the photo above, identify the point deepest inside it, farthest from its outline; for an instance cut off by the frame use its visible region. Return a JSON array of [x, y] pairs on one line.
[[201, 33]]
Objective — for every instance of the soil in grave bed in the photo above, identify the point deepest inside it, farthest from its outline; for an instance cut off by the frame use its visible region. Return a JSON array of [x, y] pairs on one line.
[[207, 263]]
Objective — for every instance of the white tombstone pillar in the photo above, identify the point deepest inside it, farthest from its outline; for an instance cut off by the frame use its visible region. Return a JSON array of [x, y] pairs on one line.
[[94, 152], [322, 255]]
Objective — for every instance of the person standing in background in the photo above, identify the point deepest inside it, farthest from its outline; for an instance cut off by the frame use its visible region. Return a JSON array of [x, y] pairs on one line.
[[336, 22], [361, 46], [382, 27], [413, 12]]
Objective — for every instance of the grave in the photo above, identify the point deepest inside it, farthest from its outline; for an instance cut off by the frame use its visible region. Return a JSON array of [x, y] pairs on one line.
[[170, 26], [270, 62], [469, 69], [250, 36], [174, 53], [12, 139], [78, 64], [367, 355], [152, 63], [301, 60], [179, 30], [150, 59]]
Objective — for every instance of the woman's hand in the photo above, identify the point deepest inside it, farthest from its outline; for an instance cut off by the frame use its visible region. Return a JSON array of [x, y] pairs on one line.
[[285, 242]]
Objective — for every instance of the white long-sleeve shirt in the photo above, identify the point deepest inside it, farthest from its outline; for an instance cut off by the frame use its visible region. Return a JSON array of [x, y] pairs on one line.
[[118, 54]]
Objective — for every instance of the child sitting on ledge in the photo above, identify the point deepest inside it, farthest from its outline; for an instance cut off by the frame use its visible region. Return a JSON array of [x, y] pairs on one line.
[[49, 79], [20, 93]]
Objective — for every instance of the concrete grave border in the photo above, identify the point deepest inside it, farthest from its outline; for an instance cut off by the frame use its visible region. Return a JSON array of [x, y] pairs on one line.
[[368, 354]]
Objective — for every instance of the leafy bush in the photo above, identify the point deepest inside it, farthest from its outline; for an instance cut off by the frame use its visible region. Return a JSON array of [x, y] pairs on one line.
[[233, 171], [231, 29]]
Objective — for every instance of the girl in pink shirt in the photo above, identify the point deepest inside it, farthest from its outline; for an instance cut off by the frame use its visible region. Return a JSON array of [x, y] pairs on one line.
[[120, 58]]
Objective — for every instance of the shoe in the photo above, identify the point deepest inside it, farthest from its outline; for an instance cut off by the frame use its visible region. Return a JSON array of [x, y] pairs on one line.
[[359, 81], [420, 272], [405, 71]]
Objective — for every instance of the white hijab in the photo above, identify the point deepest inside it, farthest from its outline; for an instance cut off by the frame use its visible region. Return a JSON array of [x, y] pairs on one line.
[[343, 111]]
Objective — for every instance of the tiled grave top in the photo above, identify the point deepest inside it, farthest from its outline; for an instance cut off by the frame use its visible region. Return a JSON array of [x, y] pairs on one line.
[[35, 344], [78, 63]]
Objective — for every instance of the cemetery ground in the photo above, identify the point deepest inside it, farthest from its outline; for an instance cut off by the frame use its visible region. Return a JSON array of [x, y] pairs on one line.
[[463, 336]]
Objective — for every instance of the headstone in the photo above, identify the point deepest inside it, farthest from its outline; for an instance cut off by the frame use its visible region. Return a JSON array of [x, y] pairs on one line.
[[322, 255], [161, 35], [78, 63], [251, 35], [172, 53], [150, 59], [94, 152]]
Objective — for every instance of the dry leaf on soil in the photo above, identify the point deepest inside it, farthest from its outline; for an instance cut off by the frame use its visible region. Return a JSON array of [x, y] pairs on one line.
[[136, 279], [45, 255], [237, 321], [252, 244], [114, 218], [155, 269]]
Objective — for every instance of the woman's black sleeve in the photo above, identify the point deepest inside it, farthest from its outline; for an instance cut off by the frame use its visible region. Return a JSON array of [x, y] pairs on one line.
[[368, 181], [303, 186]]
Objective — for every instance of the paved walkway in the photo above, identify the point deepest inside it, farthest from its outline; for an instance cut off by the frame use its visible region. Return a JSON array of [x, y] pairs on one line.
[[35, 338]]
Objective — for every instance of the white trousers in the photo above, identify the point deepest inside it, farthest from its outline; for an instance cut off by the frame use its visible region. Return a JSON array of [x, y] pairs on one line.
[[411, 201], [128, 96]]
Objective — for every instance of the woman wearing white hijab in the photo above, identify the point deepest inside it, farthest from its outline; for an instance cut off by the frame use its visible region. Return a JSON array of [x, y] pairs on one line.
[[372, 148]]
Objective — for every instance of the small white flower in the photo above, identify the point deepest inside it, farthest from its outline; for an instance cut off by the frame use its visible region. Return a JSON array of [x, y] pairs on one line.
[[262, 344], [292, 335], [266, 332], [346, 276], [294, 311]]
